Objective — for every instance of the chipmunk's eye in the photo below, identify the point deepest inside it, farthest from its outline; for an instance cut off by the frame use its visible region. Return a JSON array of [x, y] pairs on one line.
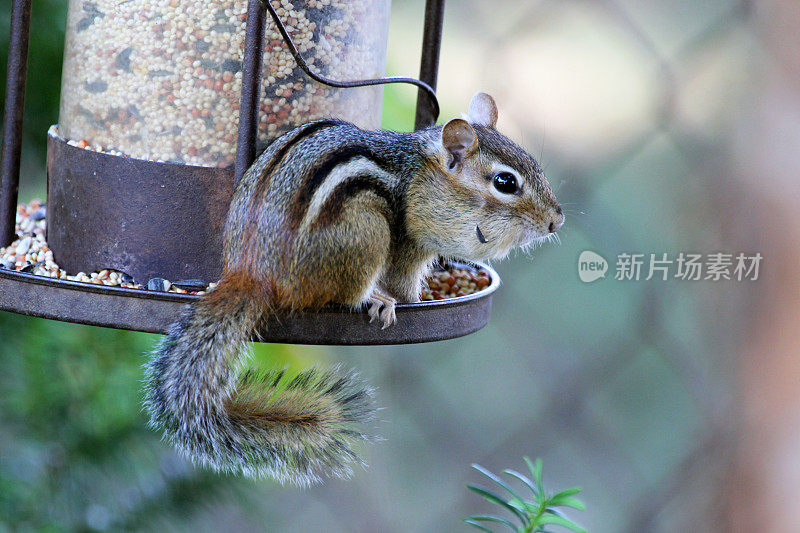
[[505, 182]]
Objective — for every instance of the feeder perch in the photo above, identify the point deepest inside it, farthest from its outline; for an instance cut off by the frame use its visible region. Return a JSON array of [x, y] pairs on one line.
[[182, 117]]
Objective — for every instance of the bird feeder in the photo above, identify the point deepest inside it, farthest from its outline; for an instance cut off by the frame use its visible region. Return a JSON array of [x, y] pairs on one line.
[[172, 101]]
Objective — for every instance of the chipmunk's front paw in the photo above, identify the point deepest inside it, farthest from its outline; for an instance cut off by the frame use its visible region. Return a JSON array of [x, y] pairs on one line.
[[382, 307]]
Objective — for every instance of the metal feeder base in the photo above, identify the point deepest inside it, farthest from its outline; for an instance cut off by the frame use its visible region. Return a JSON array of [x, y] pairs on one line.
[[145, 218], [153, 312]]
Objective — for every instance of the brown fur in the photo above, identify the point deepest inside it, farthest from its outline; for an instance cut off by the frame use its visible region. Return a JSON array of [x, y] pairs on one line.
[[330, 213]]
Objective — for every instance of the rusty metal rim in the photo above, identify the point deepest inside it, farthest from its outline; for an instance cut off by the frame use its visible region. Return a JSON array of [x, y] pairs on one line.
[[27, 277], [150, 311]]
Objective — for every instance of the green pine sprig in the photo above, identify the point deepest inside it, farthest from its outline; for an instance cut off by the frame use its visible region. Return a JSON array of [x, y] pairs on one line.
[[534, 515]]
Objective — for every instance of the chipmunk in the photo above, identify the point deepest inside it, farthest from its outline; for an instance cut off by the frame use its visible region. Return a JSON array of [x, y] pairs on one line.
[[330, 213]]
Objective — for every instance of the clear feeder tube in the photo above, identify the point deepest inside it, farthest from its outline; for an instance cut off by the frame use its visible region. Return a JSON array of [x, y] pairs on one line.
[[161, 79]]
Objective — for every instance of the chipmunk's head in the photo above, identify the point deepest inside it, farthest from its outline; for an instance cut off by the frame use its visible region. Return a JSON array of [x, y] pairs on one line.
[[492, 195]]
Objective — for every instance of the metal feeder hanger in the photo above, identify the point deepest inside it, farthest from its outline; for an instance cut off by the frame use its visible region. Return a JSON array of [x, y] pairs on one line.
[[72, 179]]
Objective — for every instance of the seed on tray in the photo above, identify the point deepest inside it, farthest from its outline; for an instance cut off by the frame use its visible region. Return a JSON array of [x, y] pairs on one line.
[[191, 284], [158, 284], [23, 246], [446, 280]]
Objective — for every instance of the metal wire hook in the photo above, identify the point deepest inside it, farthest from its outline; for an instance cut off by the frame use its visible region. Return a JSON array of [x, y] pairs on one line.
[[345, 84]]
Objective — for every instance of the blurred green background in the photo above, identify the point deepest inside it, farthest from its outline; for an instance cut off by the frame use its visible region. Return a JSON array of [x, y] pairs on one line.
[[644, 115]]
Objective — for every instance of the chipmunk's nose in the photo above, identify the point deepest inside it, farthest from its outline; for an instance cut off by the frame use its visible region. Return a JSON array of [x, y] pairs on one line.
[[557, 221]]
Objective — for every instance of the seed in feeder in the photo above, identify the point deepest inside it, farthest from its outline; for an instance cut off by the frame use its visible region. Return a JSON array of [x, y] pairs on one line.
[[206, 39]]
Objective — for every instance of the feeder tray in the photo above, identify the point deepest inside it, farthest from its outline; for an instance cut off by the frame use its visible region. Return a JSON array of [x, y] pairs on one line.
[[142, 310], [153, 219]]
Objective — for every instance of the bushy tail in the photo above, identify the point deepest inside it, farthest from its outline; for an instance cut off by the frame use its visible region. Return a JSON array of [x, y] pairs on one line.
[[297, 430]]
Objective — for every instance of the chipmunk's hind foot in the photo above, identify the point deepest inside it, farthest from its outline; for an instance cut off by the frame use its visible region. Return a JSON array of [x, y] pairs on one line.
[[382, 307]]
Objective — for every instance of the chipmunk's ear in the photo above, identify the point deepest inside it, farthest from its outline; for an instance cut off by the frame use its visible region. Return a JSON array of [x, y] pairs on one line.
[[459, 139], [482, 110]]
